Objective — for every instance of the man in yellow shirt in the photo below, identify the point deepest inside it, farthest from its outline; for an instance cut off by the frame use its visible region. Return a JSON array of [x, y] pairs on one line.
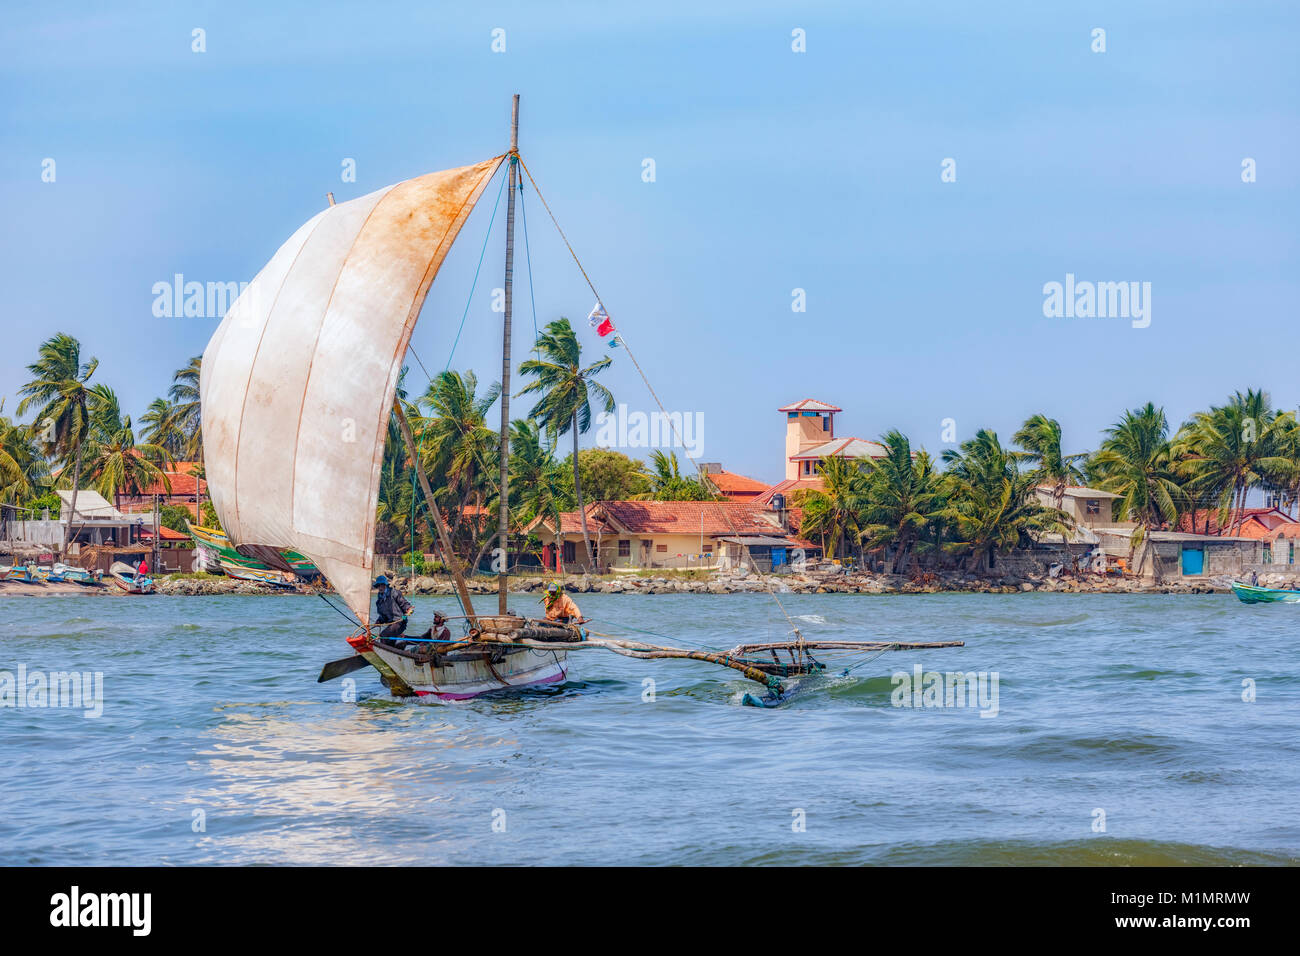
[[560, 607]]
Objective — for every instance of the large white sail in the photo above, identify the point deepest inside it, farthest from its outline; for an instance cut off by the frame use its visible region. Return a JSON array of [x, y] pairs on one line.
[[298, 380]]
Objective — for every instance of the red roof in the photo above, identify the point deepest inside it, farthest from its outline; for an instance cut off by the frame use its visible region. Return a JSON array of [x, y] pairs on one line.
[[167, 534], [736, 486], [674, 517], [789, 486], [182, 484], [1255, 522], [1289, 530], [810, 405]]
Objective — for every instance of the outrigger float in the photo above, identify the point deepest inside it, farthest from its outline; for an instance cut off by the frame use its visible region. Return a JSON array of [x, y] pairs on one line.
[[298, 389]]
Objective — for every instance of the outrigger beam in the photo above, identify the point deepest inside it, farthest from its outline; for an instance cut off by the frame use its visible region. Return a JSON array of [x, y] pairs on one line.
[[847, 646], [444, 538], [645, 652]]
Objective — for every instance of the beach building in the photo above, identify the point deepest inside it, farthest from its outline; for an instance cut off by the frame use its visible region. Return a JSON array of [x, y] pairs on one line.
[[1282, 547], [810, 440], [181, 487], [99, 533], [674, 534], [1256, 523]]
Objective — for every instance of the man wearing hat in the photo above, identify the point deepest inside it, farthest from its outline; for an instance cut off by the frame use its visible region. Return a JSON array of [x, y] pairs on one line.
[[390, 608], [560, 607]]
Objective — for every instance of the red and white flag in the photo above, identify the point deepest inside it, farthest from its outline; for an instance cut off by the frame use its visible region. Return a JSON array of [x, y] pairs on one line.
[[600, 320]]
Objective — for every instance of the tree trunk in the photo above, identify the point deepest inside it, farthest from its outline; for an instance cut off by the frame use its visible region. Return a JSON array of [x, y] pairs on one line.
[[72, 505], [900, 558], [577, 492]]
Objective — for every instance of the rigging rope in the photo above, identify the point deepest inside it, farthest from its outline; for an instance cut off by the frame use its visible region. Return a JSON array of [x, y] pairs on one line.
[[591, 285], [528, 258]]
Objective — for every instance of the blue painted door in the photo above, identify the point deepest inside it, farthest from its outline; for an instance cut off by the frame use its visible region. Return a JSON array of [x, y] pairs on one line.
[[778, 557], [1193, 561]]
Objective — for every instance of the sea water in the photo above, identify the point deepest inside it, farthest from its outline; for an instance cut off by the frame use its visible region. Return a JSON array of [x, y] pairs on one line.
[[1129, 729]]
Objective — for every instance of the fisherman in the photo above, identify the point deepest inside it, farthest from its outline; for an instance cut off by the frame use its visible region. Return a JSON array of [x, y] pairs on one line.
[[391, 608], [560, 607], [439, 633]]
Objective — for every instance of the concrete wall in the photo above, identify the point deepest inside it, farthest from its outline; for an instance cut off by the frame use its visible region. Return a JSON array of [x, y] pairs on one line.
[[47, 534]]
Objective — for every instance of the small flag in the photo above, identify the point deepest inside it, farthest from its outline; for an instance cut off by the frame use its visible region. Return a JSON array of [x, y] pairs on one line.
[[600, 320]]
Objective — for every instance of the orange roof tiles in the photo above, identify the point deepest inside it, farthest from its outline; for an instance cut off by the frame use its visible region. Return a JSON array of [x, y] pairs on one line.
[[789, 486], [1254, 522], [733, 485], [674, 517]]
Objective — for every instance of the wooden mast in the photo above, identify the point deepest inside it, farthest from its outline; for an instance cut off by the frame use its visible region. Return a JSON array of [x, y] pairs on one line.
[[503, 509], [444, 538]]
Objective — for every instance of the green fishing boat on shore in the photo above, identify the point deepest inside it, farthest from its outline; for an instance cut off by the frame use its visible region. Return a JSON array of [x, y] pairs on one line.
[[222, 553]]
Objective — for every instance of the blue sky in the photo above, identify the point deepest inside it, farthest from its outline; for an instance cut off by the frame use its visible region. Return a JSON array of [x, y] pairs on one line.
[[774, 170]]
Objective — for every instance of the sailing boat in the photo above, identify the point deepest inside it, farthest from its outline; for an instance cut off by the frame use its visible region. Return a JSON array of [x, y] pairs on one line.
[[298, 388]]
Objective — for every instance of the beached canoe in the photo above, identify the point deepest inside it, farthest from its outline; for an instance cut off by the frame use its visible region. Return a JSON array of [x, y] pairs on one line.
[[75, 575], [128, 580], [1252, 594]]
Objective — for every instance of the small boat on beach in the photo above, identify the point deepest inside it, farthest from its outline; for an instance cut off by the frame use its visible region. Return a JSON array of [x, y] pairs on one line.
[[1253, 594], [75, 575], [129, 580], [20, 574]]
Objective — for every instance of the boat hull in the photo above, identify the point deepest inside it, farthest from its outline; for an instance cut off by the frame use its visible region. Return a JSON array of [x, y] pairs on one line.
[[1250, 594], [125, 577], [467, 674], [279, 579]]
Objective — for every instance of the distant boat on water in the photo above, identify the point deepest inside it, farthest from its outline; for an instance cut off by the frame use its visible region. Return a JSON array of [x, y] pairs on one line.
[[1253, 594]]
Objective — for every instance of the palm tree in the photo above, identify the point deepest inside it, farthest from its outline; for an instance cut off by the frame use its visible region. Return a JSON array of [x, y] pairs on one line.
[[162, 427], [834, 513], [184, 393], [1230, 449], [538, 483], [1137, 462], [991, 504], [456, 442], [902, 498], [1285, 480], [21, 462], [667, 483], [116, 462], [567, 390], [60, 391], [1040, 437]]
